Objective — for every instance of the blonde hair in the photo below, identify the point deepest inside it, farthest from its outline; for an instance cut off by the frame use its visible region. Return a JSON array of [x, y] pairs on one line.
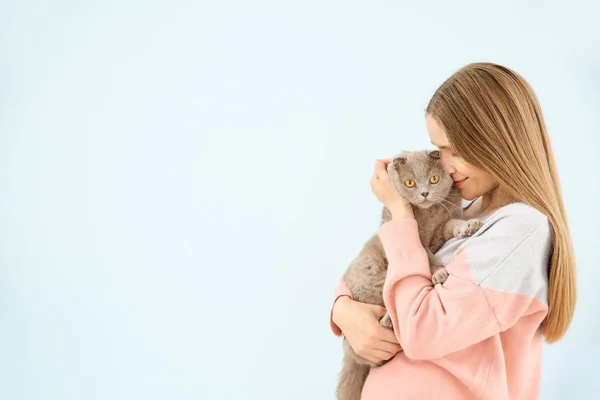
[[494, 121]]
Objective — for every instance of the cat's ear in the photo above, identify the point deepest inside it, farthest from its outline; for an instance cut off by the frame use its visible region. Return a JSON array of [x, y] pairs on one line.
[[399, 161], [435, 154]]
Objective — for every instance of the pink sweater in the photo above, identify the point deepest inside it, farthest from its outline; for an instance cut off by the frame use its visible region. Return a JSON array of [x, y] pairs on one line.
[[477, 336]]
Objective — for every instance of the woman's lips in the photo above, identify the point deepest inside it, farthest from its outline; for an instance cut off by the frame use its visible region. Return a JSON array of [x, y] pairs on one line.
[[460, 183]]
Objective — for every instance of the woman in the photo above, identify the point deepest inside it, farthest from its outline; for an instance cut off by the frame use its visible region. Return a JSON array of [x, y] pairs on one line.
[[479, 334]]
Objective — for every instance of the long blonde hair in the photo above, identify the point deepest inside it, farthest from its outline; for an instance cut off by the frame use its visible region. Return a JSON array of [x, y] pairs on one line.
[[493, 121]]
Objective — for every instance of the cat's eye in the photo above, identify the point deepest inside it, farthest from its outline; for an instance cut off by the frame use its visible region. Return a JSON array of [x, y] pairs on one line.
[[409, 183], [434, 179]]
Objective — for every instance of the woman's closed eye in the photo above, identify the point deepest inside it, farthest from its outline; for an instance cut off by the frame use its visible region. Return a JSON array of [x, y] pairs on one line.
[[449, 151]]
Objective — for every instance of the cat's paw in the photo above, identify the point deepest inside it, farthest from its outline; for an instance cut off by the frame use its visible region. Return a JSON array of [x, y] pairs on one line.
[[386, 321], [467, 228], [439, 276]]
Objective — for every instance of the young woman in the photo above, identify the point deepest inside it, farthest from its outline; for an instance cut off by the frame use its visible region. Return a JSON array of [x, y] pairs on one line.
[[478, 335]]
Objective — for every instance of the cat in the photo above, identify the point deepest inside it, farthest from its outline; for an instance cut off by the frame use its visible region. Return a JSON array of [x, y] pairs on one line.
[[418, 176]]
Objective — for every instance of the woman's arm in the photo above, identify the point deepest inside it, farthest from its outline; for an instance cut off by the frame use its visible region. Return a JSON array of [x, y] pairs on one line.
[[340, 290], [359, 323], [495, 278]]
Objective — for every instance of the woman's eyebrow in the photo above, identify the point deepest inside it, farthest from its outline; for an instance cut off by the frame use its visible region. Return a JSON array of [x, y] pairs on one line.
[[440, 147]]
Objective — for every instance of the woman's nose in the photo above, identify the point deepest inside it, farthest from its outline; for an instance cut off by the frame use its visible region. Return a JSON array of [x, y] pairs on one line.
[[447, 166]]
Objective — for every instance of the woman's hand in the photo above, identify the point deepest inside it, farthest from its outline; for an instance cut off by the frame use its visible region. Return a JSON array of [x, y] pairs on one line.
[[383, 189], [359, 323]]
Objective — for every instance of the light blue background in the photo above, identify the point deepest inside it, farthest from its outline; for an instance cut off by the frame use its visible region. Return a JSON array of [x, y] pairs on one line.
[[183, 183]]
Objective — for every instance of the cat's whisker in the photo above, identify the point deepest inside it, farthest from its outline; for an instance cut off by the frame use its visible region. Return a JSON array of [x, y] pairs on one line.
[[449, 203], [444, 202], [444, 199], [441, 203]]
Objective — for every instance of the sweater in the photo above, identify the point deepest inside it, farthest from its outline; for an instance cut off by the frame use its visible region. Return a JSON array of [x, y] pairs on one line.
[[477, 335]]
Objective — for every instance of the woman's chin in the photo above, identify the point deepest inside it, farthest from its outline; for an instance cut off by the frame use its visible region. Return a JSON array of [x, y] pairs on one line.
[[466, 195]]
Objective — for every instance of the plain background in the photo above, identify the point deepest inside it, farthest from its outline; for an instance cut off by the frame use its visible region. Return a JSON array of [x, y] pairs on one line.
[[183, 183]]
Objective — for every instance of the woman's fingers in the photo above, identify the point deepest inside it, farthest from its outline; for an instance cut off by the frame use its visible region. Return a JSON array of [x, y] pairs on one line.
[[388, 347], [379, 355], [387, 335], [381, 171], [371, 358], [373, 180]]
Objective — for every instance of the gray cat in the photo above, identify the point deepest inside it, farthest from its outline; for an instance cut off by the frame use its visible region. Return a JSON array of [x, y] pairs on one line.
[[418, 176]]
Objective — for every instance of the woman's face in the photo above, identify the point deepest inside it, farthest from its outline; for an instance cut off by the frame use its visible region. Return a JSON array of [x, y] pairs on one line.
[[471, 181]]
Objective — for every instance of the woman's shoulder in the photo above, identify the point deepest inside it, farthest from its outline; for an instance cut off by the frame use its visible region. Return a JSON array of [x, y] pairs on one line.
[[519, 221], [511, 251]]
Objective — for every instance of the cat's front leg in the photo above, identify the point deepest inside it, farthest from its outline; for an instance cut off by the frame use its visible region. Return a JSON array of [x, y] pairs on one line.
[[386, 321], [439, 274], [467, 228], [460, 228]]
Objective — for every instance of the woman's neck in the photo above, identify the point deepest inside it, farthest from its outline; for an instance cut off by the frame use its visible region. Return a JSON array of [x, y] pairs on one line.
[[489, 202]]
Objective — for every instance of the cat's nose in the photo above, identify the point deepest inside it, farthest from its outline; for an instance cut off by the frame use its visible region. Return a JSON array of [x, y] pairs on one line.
[[425, 194]]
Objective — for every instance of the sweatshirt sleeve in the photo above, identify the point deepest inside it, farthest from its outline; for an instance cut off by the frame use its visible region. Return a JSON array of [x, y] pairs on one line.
[[341, 290], [496, 277]]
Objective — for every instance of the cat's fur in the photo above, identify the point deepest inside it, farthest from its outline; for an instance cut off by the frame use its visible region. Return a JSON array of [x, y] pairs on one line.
[[439, 218]]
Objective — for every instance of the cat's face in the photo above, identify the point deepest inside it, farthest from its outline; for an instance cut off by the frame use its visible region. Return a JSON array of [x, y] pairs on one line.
[[419, 177]]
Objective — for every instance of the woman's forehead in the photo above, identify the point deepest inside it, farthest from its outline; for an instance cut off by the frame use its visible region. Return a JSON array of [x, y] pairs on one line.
[[436, 133]]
